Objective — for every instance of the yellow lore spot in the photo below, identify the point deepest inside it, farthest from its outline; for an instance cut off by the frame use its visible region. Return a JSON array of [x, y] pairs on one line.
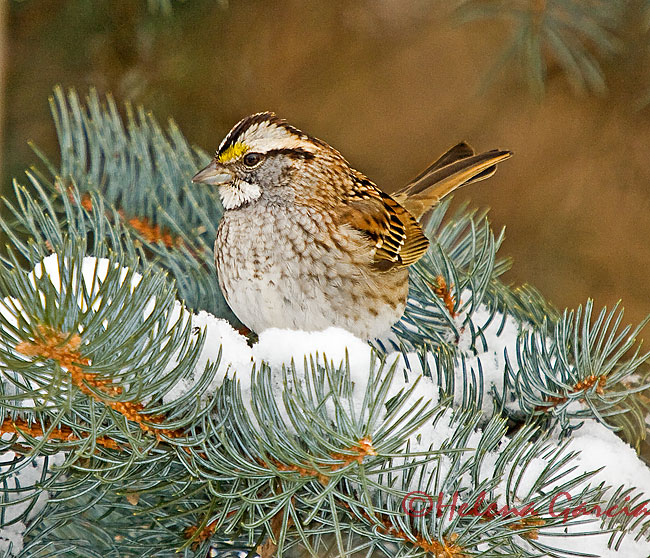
[[233, 152]]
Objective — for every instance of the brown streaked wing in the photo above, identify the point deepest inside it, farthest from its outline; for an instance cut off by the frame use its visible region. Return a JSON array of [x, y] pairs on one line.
[[394, 232]]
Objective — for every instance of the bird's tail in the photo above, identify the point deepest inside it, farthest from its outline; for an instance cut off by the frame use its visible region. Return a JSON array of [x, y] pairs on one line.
[[456, 167]]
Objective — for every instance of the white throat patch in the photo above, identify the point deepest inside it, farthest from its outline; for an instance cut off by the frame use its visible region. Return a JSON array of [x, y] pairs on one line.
[[234, 195]]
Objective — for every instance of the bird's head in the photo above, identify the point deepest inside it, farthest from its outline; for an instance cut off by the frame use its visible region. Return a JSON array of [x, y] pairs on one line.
[[264, 156]]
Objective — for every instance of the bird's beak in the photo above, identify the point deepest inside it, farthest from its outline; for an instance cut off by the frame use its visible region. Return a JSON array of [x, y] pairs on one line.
[[214, 174]]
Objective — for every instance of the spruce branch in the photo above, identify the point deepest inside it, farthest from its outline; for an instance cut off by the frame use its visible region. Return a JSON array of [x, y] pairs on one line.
[[143, 175], [59, 350], [463, 258], [577, 364], [170, 432], [575, 35]]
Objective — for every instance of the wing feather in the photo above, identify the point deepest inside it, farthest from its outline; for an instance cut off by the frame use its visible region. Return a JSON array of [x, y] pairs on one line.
[[397, 236]]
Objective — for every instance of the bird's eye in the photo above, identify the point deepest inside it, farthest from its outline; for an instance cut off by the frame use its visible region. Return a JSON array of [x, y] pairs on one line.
[[252, 159]]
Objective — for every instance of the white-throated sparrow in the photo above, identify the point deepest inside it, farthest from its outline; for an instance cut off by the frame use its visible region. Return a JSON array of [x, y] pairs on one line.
[[307, 242]]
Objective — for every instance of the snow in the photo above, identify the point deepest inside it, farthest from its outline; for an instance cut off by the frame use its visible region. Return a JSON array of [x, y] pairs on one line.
[[282, 348], [597, 544], [491, 358], [621, 466], [24, 476], [92, 269], [600, 447], [11, 537], [94, 272], [279, 349], [236, 356], [10, 308]]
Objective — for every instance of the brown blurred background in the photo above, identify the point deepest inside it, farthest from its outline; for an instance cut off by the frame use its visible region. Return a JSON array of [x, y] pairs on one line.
[[391, 84]]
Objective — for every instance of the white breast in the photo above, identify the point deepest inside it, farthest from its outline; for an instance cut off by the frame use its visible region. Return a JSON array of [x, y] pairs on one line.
[[277, 268]]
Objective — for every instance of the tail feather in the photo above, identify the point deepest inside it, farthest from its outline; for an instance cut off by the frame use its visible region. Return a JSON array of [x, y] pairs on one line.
[[459, 151], [456, 167]]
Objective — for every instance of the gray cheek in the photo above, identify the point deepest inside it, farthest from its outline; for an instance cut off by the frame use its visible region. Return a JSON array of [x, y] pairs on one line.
[[273, 174], [275, 181]]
